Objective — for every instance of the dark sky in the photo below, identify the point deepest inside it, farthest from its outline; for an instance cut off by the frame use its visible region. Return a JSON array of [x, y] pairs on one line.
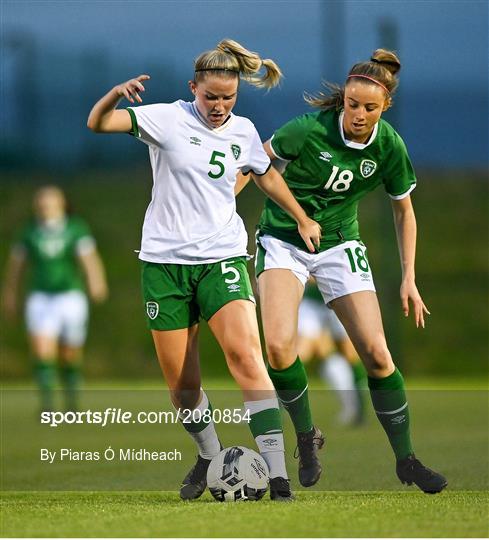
[[440, 39], [442, 44]]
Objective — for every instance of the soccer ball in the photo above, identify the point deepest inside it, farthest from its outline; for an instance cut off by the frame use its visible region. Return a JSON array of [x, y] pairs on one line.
[[237, 473]]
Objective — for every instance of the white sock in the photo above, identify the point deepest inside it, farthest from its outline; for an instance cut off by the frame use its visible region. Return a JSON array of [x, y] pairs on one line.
[[206, 439], [274, 458]]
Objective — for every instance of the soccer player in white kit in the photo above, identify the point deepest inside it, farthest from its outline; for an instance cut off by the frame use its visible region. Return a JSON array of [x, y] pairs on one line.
[[194, 243]]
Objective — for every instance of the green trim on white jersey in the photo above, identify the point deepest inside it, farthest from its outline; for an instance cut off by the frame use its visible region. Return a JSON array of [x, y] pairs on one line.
[[134, 123]]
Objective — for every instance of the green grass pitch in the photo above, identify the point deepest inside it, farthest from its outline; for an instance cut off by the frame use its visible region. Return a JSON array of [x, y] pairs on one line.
[[358, 495], [314, 514]]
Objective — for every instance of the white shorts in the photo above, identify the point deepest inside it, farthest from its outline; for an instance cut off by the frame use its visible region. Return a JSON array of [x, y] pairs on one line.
[[62, 316], [316, 318], [341, 270]]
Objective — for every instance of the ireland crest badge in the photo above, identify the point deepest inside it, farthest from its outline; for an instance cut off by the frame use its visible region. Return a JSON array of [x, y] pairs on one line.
[[367, 167], [152, 309], [236, 150]]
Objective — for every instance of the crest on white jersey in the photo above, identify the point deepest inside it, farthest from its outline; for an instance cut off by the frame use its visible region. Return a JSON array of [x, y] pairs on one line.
[[236, 149], [367, 167], [152, 309]]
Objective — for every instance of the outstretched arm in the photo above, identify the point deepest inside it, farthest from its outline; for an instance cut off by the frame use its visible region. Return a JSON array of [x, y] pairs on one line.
[[242, 179], [405, 223], [105, 118], [274, 186]]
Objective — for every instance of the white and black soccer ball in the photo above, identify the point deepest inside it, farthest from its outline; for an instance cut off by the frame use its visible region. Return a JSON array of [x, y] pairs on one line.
[[237, 473]]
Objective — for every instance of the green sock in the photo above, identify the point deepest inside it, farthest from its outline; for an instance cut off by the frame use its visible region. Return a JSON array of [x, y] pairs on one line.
[[360, 381], [291, 387], [390, 404], [45, 376], [71, 378], [264, 422]]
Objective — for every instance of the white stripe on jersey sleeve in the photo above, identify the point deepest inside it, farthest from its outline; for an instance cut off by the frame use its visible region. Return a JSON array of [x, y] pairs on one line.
[[279, 163], [274, 151], [403, 195]]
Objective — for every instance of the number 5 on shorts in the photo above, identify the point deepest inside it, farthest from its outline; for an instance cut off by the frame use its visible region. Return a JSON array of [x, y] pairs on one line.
[[229, 270], [358, 259]]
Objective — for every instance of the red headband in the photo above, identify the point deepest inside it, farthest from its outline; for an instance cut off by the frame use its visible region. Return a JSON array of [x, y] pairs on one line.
[[370, 79]]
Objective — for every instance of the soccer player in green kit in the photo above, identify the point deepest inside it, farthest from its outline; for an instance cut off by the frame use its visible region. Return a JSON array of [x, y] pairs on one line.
[[59, 248], [334, 157]]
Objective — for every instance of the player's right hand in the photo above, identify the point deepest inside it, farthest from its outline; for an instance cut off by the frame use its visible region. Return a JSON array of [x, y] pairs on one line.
[[131, 88], [310, 232]]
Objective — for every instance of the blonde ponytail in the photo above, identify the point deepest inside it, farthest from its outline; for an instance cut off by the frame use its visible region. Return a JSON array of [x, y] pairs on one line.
[[229, 58]]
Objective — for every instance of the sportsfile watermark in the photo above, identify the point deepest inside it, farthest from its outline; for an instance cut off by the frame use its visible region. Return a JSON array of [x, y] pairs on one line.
[[113, 415], [109, 454], [134, 439]]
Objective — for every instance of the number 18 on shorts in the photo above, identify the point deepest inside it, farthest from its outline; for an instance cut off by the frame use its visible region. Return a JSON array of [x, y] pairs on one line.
[[341, 270]]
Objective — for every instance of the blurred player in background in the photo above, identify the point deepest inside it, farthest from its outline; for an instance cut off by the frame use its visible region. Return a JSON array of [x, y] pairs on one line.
[[322, 336], [60, 251], [334, 158], [194, 244]]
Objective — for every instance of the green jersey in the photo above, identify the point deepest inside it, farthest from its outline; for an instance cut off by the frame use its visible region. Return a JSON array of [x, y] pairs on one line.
[[53, 252], [328, 175]]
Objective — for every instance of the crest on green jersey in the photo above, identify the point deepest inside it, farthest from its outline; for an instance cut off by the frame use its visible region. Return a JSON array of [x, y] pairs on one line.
[[152, 309], [236, 149], [367, 167]]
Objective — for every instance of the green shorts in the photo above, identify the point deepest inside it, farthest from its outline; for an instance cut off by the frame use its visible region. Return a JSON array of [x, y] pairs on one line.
[[177, 295]]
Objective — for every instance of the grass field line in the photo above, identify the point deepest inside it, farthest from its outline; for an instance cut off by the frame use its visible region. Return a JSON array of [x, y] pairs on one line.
[[226, 383]]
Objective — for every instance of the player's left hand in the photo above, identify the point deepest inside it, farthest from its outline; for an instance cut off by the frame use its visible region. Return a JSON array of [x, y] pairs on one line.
[[409, 293], [310, 232]]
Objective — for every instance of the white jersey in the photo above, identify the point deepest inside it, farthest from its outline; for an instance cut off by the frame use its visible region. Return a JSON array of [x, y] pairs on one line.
[[192, 217]]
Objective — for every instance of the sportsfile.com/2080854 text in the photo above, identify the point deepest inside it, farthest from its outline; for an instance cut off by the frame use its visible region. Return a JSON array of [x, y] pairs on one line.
[[113, 415]]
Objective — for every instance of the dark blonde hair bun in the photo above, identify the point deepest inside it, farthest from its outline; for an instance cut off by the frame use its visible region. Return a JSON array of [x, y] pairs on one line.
[[387, 59], [381, 69]]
